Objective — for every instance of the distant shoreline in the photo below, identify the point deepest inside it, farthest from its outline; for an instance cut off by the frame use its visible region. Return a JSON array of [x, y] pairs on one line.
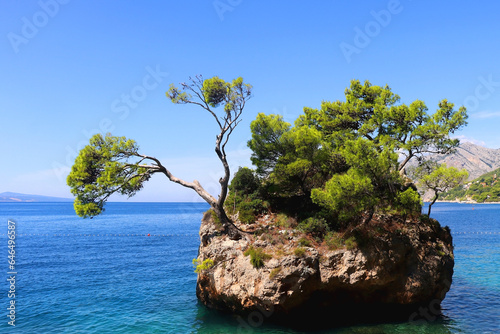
[[467, 202]]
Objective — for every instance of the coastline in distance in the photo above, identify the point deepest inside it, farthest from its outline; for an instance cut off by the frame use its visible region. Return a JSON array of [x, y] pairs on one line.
[[12, 197]]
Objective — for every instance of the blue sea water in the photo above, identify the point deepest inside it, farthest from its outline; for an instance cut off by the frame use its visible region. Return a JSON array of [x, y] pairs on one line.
[[130, 271]]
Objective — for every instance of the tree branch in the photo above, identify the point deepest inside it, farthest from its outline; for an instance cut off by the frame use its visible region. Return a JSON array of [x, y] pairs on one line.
[[195, 185]]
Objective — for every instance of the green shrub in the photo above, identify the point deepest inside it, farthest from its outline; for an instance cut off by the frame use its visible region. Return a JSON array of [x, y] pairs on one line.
[[248, 206], [205, 265], [300, 251], [334, 241], [409, 201], [257, 256], [317, 227], [215, 218], [243, 197], [304, 242], [246, 216], [244, 181], [251, 203], [282, 220], [351, 243]]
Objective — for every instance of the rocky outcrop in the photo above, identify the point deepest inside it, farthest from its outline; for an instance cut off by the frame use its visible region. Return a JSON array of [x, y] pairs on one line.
[[397, 266]]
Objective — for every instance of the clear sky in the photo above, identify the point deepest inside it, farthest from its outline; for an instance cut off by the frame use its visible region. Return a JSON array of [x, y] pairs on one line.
[[72, 68]]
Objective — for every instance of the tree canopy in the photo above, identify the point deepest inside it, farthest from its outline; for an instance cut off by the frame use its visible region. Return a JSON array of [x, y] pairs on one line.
[[336, 163], [349, 157], [439, 178], [112, 164]]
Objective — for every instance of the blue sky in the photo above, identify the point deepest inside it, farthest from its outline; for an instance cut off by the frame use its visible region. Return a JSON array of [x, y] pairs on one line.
[[72, 68]]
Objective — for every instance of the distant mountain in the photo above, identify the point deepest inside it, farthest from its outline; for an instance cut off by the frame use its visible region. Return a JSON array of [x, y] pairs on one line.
[[16, 197], [477, 160], [485, 188]]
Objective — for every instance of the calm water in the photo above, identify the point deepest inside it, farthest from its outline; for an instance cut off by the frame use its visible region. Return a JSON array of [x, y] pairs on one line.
[[106, 275]]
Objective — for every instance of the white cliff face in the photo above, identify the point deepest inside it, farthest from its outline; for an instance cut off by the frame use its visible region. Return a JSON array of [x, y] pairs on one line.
[[407, 267]]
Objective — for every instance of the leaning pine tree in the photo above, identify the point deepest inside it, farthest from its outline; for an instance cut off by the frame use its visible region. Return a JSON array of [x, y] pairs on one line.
[[112, 164]]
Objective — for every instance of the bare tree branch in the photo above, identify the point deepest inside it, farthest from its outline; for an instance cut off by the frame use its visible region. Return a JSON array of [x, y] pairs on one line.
[[195, 185]]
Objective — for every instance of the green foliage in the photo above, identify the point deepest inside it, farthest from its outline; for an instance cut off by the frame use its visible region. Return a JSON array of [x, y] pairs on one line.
[[317, 227], [245, 181], [246, 216], [299, 252], [111, 164], [282, 220], [346, 156], [267, 143], [485, 188], [304, 242], [244, 197], [215, 218], [373, 113], [351, 243], [257, 256], [214, 93], [408, 201], [334, 241], [347, 195], [107, 165], [439, 178], [291, 160], [205, 265]]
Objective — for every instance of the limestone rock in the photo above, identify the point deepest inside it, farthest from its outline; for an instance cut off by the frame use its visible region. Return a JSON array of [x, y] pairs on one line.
[[404, 266]]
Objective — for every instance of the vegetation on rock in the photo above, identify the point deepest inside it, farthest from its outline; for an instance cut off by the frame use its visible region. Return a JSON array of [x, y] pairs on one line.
[[257, 256], [338, 165], [202, 265], [334, 222], [485, 188]]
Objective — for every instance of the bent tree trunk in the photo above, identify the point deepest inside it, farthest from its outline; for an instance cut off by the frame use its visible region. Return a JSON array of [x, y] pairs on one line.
[[103, 167], [436, 196], [208, 94], [217, 205], [228, 227]]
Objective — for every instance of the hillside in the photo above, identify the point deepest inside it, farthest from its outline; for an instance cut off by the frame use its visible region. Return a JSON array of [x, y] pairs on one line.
[[477, 160], [485, 188], [16, 197]]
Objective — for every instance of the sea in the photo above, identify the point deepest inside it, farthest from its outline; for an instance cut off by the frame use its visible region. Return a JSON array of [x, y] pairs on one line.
[[130, 271]]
